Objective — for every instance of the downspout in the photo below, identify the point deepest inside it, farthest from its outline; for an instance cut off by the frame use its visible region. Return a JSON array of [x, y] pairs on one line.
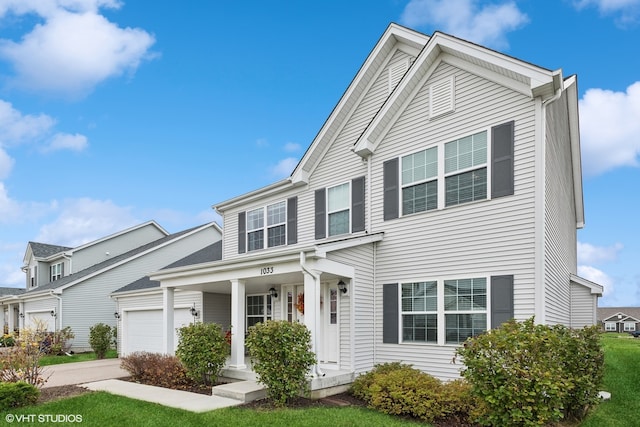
[[315, 370], [59, 307]]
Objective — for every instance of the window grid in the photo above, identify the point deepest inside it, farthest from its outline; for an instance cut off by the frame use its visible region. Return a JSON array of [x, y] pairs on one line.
[[338, 209], [465, 165], [419, 305], [419, 176], [629, 326], [610, 327], [270, 220], [258, 309], [465, 306], [56, 271]]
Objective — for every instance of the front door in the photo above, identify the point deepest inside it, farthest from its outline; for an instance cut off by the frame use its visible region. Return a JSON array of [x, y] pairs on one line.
[[329, 321]]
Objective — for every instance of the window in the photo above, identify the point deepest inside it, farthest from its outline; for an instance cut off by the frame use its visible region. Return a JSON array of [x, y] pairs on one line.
[[338, 208], [420, 312], [276, 224], [34, 275], [465, 306], [420, 181], [56, 271], [465, 167], [629, 326], [610, 326], [258, 309]]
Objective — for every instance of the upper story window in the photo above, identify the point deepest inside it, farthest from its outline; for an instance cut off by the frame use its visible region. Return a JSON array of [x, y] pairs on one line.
[[56, 271], [33, 280], [338, 208], [420, 181], [275, 218], [465, 167]]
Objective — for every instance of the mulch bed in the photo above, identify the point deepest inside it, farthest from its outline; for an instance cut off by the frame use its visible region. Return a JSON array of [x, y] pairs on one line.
[[62, 392]]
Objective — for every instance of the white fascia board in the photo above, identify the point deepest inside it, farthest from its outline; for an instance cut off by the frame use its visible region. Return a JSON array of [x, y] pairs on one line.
[[595, 288], [254, 195], [324, 248], [571, 87]]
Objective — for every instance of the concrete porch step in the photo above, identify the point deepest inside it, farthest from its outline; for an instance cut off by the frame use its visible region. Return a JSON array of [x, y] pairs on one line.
[[244, 391]]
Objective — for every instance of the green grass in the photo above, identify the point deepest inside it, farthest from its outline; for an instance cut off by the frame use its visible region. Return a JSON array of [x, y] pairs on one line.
[[78, 357], [103, 409], [622, 380]]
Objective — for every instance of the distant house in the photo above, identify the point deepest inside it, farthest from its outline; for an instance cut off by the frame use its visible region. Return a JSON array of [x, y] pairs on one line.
[[619, 319], [71, 286], [439, 199]]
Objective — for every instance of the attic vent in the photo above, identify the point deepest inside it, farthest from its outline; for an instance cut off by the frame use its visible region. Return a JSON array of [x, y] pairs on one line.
[[441, 97], [396, 71]]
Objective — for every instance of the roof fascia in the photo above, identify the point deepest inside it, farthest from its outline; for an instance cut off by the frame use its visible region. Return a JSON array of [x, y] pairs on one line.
[[443, 47], [396, 36], [270, 190], [571, 87], [595, 288]]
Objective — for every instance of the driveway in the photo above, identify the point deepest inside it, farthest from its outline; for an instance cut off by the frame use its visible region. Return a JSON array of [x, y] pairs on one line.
[[83, 372]]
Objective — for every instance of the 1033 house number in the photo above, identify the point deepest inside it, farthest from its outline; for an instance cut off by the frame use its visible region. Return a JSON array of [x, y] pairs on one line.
[[266, 270]]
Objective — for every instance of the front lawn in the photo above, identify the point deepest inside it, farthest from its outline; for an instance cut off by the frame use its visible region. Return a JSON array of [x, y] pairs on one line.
[[77, 357]]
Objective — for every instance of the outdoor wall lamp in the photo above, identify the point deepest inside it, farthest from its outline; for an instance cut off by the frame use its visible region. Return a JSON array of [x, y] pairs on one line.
[[193, 310], [273, 293], [342, 286], [116, 315], [53, 313], [21, 315]]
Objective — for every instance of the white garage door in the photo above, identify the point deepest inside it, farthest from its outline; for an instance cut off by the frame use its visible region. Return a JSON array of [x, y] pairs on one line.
[[143, 329], [43, 318]]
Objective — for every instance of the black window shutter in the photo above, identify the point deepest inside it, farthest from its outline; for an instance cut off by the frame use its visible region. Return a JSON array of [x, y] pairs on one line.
[[391, 189], [242, 232], [502, 169], [501, 300], [357, 205], [321, 210], [390, 313], [292, 220]]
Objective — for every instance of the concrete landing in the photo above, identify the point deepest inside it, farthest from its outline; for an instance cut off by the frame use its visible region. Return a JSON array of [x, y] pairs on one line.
[[244, 391]]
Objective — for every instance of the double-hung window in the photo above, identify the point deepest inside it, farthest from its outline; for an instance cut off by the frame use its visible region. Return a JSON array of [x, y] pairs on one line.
[[465, 307], [420, 312], [420, 181], [629, 326], [338, 209], [258, 309], [465, 167], [610, 326], [274, 226], [56, 271]]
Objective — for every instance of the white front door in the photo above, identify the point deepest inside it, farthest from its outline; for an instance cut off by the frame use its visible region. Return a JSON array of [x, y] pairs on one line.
[[329, 320]]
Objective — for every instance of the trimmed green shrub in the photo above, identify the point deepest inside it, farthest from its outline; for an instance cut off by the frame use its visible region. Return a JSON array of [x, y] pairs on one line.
[[399, 389], [282, 357], [156, 369], [13, 395], [100, 336], [203, 350], [532, 375]]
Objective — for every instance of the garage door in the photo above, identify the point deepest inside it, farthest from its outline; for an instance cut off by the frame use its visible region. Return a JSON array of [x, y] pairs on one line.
[[43, 318], [143, 329]]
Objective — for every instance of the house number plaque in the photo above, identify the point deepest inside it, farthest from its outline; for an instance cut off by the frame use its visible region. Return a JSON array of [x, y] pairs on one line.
[[266, 270]]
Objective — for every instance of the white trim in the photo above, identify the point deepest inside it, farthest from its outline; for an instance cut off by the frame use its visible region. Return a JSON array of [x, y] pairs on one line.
[[595, 288]]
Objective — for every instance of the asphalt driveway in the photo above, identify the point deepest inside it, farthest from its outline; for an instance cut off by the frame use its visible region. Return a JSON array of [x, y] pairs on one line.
[[83, 372]]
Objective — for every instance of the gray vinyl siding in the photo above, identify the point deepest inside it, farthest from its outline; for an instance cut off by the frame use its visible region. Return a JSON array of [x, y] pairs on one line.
[[560, 217], [583, 306], [116, 245], [357, 308], [217, 309], [489, 237], [89, 302]]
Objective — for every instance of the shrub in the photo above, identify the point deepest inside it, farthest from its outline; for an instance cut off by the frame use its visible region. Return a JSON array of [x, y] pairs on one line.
[[528, 375], [13, 395], [100, 337], [156, 369], [7, 340], [59, 342], [203, 350], [399, 389], [282, 357], [22, 361]]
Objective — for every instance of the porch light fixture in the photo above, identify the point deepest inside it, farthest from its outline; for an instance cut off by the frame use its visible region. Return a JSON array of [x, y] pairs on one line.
[[193, 310], [342, 286], [116, 315], [273, 293], [21, 315], [53, 313]]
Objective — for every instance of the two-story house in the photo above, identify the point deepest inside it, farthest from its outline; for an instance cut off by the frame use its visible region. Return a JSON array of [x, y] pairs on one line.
[[440, 198], [72, 287]]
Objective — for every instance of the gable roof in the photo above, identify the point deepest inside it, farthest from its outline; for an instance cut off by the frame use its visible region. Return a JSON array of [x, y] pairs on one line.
[[110, 263], [5, 290], [44, 250], [209, 253], [611, 313]]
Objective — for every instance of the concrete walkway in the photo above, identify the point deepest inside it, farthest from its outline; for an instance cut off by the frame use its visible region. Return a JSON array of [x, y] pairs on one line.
[[102, 375]]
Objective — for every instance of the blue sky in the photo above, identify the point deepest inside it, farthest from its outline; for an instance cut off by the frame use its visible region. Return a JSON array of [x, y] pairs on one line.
[[113, 112]]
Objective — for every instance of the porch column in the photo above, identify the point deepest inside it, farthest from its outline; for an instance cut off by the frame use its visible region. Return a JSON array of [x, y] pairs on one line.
[[4, 318], [168, 346], [11, 317], [237, 324], [312, 309], [21, 319]]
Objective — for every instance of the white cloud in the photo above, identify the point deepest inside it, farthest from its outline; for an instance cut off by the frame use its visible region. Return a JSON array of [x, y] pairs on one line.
[[74, 49], [291, 147], [16, 127], [6, 164], [597, 276], [486, 24], [65, 141], [13, 211], [284, 167], [590, 254], [626, 11], [84, 220], [610, 129]]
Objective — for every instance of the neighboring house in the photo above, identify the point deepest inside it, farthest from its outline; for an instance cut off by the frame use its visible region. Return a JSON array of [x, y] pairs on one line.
[[139, 307], [72, 286], [440, 198], [619, 319]]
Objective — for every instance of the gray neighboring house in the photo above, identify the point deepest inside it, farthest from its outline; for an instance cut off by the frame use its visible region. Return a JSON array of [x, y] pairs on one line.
[[619, 319], [71, 286], [139, 307]]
